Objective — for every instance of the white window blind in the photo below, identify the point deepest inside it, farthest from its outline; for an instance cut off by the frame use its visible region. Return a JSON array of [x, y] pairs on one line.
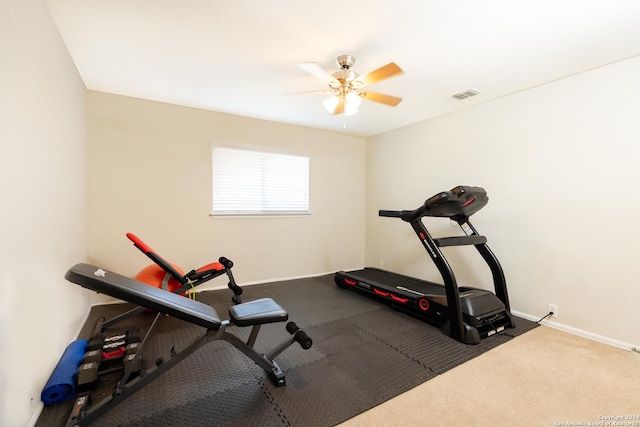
[[247, 182]]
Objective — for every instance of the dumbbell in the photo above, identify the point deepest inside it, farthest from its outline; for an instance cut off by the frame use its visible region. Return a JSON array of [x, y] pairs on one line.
[[87, 375], [129, 361], [89, 370], [100, 342], [108, 350], [101, 349]]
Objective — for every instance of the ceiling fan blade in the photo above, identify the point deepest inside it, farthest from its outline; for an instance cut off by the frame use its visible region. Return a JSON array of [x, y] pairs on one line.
[[385, 72], [382, 98], [317, 70]]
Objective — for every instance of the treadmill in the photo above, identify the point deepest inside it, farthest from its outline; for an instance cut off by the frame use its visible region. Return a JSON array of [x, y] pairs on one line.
[[466, 314]]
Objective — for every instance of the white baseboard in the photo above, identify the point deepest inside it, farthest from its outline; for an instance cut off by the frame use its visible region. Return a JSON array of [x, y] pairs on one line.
[[219, 285], [36, 414], [579, 332], [283, 279], [83, 321]]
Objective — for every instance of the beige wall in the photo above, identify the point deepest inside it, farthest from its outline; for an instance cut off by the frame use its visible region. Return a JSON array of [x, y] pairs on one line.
[[42, 205], [560, 165], [150, 174]]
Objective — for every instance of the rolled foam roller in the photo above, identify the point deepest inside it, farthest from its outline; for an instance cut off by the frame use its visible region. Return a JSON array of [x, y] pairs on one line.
[[303, 339], [62, 383], [292, 328]]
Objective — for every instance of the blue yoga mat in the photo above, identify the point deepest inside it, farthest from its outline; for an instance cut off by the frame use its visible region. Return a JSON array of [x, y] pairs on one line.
[[62, 383]]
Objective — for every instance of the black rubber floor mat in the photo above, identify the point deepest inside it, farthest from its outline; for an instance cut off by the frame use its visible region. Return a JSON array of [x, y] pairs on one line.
[[363, 354]]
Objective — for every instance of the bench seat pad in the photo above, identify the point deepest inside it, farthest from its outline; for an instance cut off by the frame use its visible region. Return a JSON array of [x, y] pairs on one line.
[[258, 312]]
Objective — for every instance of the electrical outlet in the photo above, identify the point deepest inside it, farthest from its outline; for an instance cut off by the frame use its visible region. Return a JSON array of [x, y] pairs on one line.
[[381, 264], [553, 309]]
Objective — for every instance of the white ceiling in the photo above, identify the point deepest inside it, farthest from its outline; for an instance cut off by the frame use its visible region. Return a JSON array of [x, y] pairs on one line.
[[240, 56]]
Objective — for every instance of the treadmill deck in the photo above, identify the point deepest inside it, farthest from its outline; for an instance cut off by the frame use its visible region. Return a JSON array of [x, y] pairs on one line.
[[404, 285]]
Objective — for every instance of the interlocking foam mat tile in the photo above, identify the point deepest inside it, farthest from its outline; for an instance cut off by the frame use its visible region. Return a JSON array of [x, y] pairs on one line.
[[363, 354]]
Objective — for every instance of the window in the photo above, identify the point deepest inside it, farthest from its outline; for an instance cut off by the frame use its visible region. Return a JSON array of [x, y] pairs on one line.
[[247, 182]]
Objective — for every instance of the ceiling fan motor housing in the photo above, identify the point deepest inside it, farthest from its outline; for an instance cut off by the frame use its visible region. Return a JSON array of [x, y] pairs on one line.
[[345, 61]]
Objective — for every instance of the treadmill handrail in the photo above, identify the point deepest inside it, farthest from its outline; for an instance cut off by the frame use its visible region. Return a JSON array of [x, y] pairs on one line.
[[407, 216]]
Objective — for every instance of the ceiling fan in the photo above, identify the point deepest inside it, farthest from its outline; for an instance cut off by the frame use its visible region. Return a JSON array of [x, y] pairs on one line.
[[347, 87]]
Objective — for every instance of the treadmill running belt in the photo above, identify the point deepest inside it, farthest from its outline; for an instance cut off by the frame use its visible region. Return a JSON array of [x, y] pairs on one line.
[[389, 279]]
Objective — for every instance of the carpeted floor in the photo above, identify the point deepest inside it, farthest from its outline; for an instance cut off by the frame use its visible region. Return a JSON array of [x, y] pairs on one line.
[[543, 378], [364, 354]]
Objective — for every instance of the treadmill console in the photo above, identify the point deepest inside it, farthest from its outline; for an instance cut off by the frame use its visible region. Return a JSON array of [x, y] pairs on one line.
[[461, 201]]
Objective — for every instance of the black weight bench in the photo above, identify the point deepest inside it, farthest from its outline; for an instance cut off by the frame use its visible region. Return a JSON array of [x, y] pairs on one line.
[[253, 313]]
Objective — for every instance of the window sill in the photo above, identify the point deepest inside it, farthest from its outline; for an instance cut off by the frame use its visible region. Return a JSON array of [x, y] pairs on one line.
[[274, 215]]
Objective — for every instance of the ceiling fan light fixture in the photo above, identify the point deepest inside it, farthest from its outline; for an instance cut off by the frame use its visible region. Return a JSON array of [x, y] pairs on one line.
[[331, 103], [354, 99], [350, 109], [346, 104]]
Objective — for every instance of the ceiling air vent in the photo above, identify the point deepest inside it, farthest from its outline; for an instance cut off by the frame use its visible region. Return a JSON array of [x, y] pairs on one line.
[[466, 94]]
